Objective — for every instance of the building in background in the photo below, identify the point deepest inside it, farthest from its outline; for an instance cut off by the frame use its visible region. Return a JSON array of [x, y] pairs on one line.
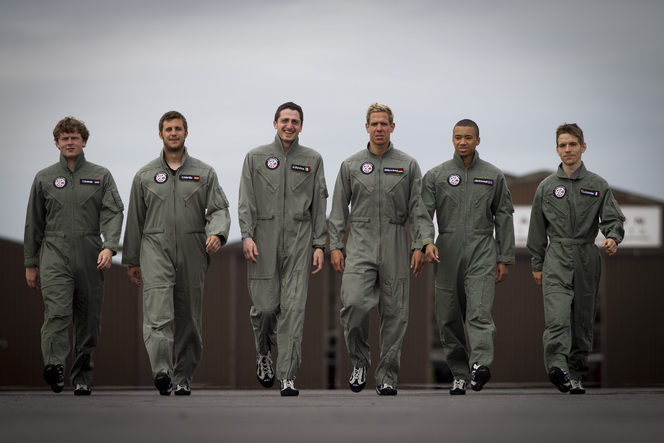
[[628, 325]]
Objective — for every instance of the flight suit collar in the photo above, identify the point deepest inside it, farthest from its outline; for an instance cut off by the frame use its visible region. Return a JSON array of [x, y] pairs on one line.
[[387, 152], [80, 162], [280, 147], [185, 156], [578, 174], [459, 161]]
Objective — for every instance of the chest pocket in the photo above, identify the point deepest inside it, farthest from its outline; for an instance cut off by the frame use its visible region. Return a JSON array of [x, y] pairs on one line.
[[556, 210], [483, 193], [392, 181], [54, 198], [155, 193], [268, 181], [300, 181], [190, 188], [362, 183], [89, 195]]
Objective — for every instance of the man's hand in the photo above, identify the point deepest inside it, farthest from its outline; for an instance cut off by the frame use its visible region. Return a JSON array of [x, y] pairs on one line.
[[337, 259], [501, 272], [32, 277], [104, 259], [417, 262], [134, 273], [250, 250], [319, 259], [537, 276], [431, 253], [610, 246], [212, 244]]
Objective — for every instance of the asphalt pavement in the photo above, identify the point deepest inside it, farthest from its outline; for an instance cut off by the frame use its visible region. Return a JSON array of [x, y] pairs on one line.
[[414, 415]]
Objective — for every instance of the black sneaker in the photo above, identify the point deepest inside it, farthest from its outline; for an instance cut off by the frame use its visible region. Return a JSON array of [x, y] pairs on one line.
[[54, 375], [264, 371], [459, 387], [358, 379], [479, 375], [163, 383], [182, 389], [287, 388], [385, 389], [82, 390], [577, 387], [560, 378]]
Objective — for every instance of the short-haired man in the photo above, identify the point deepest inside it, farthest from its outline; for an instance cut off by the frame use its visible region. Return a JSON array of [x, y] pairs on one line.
[[282, 204], [472, 203], [73, 205], [177, 217], [382, 185], [569, 209]]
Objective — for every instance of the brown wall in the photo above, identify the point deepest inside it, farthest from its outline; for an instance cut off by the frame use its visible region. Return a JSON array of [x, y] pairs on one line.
[[629, 336]]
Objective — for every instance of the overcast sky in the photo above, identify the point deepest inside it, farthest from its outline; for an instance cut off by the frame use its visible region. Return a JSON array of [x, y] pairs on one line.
[[518, 68]]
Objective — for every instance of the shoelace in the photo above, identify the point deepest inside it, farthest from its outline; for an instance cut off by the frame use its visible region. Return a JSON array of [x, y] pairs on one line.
[[289, 384], [265, 364], [458, 384], [357, 374]]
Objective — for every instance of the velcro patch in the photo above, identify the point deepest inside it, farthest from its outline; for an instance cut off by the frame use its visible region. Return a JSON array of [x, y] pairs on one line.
[[190, 177], [90, 181], [483, 181], [589, 192], [393, 170], [299, 168]]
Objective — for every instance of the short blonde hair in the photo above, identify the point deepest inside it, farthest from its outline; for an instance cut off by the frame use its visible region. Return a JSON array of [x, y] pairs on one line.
[[377, 107]]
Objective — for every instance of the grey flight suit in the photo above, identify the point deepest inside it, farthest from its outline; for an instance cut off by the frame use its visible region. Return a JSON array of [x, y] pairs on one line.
[[169, 219], [470, 206], [282, 204], [67, 214], [384, 193], [566, 216]]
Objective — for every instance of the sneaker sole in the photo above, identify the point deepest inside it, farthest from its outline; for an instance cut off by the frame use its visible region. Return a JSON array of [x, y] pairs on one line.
[[386, 391], [357, 388], [482, 376], [557, 377], [290, 393], [457, 392]]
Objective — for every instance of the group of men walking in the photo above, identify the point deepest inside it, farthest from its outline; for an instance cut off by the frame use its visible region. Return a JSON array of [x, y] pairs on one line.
[[380, 228]]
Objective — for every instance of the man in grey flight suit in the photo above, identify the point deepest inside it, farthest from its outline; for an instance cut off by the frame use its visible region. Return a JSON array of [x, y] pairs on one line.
[[177, 217], [383, 186], [569, 209], [73, 204], [282, 204], [472, 202]]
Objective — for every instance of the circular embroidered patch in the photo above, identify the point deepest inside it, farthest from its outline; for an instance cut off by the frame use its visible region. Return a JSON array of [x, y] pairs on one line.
[[560, 191], [454, 179], [60, 182], [272, 163], [367, 168], [161, 177]]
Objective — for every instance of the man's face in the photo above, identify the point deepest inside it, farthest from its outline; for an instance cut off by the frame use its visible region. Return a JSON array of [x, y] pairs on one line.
[[70, 145], [569, 150], [173, 134], [289, 125], [379, 128], [465, 141]]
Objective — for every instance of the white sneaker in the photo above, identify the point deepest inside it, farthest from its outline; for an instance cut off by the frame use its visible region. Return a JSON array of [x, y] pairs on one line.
[[287, 388], [82, 390], [459, 387], [264, 371], [577, 387], [385, 389], [358, 379]]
